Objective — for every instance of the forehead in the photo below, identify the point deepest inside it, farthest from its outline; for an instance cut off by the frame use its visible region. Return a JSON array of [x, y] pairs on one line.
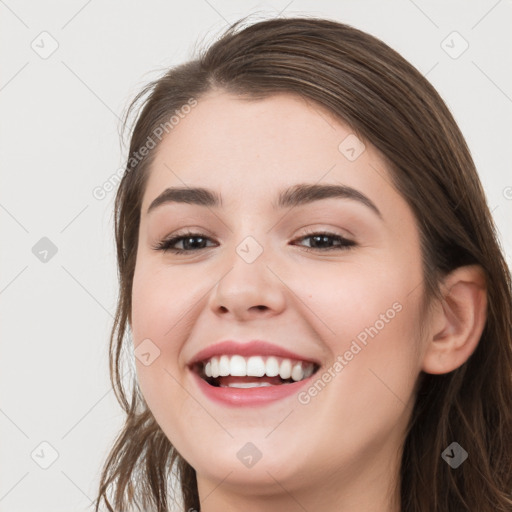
[[247, 149]]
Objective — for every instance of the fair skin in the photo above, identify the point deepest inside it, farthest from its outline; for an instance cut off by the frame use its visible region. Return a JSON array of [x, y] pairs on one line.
[[340, 451]]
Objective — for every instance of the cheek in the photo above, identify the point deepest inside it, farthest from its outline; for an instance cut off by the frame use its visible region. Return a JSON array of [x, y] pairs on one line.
[[159, 313], [365, 395], [162, 299], [344, 299], [369, 320], [152, 324]]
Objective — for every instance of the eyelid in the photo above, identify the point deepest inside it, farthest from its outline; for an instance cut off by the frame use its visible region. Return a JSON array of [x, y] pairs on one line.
[[308, 230]]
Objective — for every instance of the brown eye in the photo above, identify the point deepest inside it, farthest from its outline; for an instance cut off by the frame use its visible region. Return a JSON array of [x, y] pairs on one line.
[[321, 241], [191, 242]]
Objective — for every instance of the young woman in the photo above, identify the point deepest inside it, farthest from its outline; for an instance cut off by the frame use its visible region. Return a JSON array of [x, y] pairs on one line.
[[319, 308]]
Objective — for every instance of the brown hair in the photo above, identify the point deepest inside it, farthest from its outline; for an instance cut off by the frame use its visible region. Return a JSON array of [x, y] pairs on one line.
[[388, 103]]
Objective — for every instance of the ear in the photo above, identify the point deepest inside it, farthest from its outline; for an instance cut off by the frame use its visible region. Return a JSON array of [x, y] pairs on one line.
[[457, 321]]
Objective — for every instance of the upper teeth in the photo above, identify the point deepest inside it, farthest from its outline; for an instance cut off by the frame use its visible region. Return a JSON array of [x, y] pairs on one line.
[[257, 366]]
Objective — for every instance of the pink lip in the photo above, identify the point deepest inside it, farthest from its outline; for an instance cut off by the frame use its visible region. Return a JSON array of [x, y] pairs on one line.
[[248, 396], [251, 348]]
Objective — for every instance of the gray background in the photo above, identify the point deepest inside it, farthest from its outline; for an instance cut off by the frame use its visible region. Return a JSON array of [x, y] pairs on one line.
[[59, 125]]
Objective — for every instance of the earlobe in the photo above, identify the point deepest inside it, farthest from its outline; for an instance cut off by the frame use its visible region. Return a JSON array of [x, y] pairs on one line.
[[457, 322]]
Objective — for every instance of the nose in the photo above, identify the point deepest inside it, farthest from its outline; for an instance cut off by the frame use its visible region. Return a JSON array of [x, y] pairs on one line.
[[248, 290]]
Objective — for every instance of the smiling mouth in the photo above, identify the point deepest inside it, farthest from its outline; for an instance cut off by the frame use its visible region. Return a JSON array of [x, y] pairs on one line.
[[235, 371]]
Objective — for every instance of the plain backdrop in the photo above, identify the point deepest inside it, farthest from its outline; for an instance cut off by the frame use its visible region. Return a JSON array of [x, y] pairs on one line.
[[67, 73]]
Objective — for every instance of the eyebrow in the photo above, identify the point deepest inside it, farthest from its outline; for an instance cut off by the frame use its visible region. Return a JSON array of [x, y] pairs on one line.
[[297, 195]]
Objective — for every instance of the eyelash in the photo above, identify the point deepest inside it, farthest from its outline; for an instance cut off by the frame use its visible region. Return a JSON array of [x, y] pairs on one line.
[[166, 244]]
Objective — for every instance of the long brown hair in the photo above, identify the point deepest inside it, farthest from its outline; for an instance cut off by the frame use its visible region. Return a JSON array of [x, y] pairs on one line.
[[387, 102]]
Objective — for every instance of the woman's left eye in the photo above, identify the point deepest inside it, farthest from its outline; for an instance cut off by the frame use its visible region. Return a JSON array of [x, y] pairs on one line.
[[323, 238], [318, 239]]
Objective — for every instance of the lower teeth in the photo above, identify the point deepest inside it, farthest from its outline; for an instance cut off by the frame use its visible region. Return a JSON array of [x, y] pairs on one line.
[[246, 385]]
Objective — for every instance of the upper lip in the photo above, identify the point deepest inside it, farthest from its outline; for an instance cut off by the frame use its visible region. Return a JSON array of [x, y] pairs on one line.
[[246, 349]]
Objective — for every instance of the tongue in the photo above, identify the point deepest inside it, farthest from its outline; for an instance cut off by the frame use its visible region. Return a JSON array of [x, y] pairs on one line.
[[224, 381]]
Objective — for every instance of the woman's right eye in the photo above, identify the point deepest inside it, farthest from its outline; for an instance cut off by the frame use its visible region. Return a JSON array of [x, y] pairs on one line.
[[168, 243]]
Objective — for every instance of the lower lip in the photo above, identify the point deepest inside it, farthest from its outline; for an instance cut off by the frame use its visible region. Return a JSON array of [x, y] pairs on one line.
[[248, 396]]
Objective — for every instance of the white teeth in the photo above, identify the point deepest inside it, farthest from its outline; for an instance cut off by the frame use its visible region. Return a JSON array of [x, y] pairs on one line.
[[215, 367], [272, 367], [297, 373], [224, 366], [285, 372], [247, 385], [257, 366], [308, 371], [238, 366]]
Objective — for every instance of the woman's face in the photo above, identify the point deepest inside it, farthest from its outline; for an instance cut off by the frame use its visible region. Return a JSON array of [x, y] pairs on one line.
[[254, 269]]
